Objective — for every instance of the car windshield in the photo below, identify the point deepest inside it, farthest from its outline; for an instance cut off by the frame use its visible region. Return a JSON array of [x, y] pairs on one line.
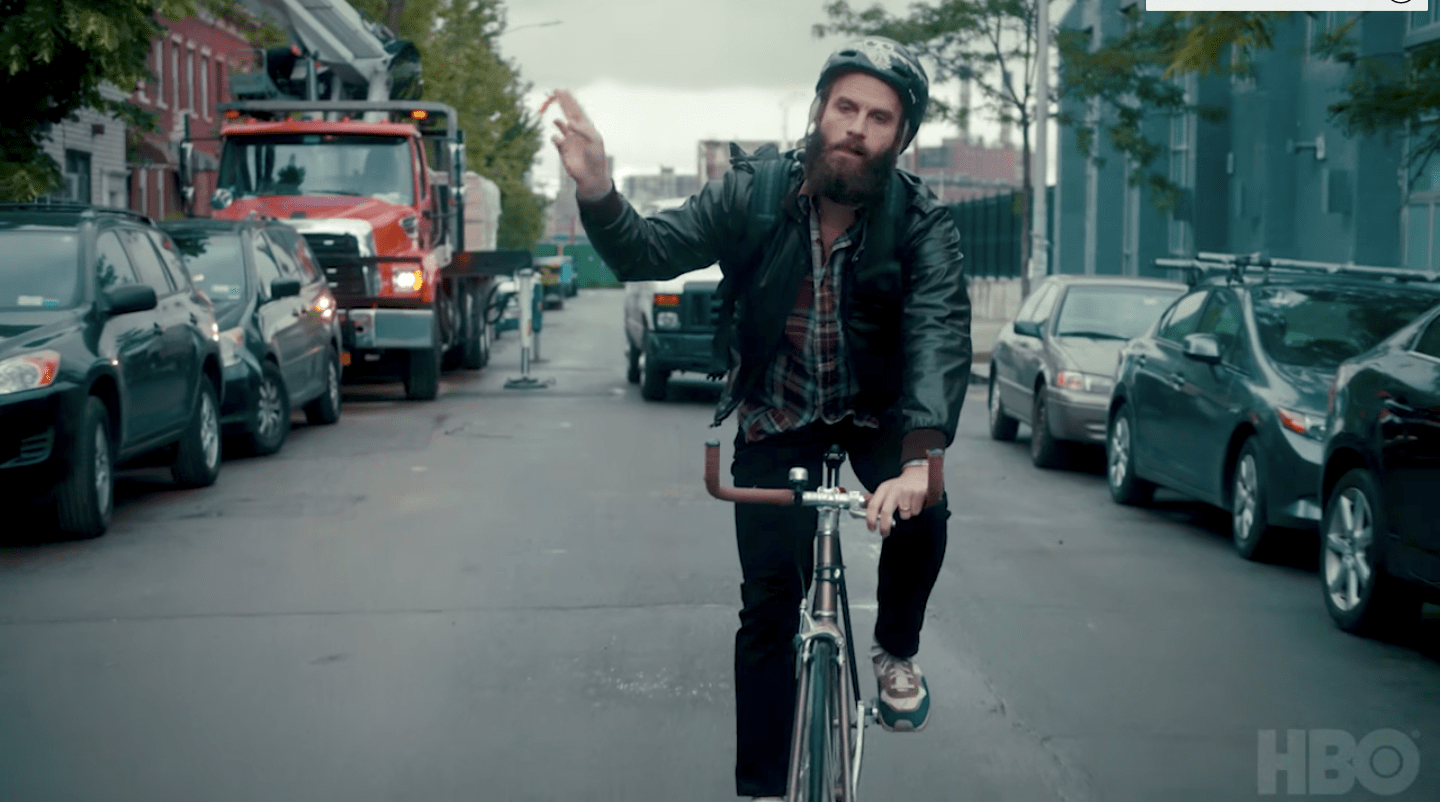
[[1112, 313], [215, 263], [1320, 327], [319, 164], [39, 269]]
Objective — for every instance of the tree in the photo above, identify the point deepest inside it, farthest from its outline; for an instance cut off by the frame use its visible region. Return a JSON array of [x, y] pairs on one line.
[[58, 56], [461, 67], [1133, 76], [991, 43]]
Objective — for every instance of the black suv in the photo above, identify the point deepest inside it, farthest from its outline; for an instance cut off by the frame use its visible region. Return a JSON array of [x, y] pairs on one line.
[[107, 353], [1380, 544], [279, 340]]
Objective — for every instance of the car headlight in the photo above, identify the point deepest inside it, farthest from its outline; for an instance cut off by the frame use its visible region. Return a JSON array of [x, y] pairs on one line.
[[1312, 426], [232, 342], [29, 371], [1084, 382], [667, 320]]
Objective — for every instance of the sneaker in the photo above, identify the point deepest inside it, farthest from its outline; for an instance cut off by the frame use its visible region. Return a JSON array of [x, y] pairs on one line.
[[904, 696]]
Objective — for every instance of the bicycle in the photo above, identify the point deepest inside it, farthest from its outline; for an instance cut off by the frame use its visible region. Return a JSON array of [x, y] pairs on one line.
[[830, 722]]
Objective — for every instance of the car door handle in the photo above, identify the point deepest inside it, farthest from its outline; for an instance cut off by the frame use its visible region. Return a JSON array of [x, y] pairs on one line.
[[1391, 403], [1140, 360], [194, 319], [1178, 380], [157, 330]]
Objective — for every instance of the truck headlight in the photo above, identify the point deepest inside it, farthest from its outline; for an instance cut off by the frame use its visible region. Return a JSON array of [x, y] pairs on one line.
[[29, 371], [667, 320], [232, 342], [407, 280]]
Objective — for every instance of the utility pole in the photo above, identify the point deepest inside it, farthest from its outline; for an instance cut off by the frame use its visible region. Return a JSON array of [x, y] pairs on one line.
[[1039, 235]]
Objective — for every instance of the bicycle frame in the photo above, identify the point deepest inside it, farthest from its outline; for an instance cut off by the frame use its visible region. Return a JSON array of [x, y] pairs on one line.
[[824, 633]]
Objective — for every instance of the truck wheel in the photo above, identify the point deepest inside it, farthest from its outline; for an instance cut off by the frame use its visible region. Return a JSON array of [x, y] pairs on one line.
[[197, 460], [422, 377], [472, 345], [85, 497], [326, 409], [270, 422], [656, 381]]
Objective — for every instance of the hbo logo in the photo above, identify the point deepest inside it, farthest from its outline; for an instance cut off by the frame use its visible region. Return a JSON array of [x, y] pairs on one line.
[[1330, 762]]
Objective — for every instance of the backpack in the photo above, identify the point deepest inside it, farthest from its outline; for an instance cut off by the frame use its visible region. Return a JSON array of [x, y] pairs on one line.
[[767, 193]]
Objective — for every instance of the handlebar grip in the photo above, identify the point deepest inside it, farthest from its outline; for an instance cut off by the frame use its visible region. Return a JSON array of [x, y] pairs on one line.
[[744, 495], [937, 477]]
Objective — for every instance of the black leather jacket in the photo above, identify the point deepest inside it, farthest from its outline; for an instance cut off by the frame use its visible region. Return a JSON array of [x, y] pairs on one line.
[[907, 329]]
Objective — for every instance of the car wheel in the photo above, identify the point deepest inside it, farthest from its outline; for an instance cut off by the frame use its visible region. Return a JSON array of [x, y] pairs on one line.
[[632, 370], [655, 381], [85, 496], [1045, 450], [1002, 426], [422, 375], [1125, 486], [270, 420], [326, 409], [1361, 596], [1248, 525], [197, 460]]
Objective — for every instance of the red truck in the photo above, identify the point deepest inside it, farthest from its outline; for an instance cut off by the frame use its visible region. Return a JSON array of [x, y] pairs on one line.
[[379, 191]]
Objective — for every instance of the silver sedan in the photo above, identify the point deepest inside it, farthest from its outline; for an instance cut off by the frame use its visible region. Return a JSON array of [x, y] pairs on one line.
[[1053, 366]]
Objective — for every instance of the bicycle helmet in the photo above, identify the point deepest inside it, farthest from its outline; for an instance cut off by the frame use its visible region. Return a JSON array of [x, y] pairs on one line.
[[892, 63]]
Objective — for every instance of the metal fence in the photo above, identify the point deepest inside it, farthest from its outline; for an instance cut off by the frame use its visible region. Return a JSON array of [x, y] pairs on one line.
[[991, 233]]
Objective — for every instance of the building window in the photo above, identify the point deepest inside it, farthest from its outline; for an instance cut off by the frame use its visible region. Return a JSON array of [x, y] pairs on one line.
[[1424, 19], [160, 74], [1422, 218], [77, 177], [934, 158], [175, 75], [205, 104], [1321, 23], [1182, 169], [190, 79]]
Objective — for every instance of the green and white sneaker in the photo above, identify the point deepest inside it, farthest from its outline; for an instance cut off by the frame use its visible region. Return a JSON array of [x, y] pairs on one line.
[[904, 696]]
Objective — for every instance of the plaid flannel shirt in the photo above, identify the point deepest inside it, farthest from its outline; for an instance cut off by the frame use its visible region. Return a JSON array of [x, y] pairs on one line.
[[810, 380]]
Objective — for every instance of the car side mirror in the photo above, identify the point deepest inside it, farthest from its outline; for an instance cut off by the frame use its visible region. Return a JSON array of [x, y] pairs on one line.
[[284, 287], [1027, 328], [129, 298], [1203, 348]]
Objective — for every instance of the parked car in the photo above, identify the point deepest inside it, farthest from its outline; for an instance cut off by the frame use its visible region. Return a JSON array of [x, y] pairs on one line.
[[279, 341], [1223, 399], [1053, 366], [670, 326], [107, 354], [1380, 486]]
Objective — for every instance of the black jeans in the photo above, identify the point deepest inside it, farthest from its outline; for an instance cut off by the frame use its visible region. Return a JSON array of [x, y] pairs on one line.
[[777, 561]]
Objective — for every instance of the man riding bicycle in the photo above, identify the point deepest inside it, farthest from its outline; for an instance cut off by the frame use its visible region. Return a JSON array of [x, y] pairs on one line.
[[850, 325]]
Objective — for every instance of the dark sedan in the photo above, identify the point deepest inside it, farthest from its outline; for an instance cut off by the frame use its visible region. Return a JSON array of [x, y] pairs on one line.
[[1224, 398], [1380, 550], [279, 340], [107, 353], [1053, 366]]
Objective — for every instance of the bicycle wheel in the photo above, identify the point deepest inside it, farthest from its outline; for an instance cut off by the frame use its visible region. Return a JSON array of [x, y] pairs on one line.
[[824, 781]]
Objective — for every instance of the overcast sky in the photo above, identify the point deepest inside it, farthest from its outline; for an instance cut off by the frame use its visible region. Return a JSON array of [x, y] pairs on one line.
[[657, 76]]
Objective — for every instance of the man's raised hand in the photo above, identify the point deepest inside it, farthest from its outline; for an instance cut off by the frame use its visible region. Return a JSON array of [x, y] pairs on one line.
[[582, 151]]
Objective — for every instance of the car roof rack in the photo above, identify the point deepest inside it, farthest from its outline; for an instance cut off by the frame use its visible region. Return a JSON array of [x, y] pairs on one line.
[[82, 209], [1236, 267]]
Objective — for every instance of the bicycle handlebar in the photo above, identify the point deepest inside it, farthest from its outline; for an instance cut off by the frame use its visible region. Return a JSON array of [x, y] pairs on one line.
[[782, 497]]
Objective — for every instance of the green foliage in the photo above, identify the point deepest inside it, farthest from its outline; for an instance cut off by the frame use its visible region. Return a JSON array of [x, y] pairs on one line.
[[57, 55], [1134, 77], [462, 67]]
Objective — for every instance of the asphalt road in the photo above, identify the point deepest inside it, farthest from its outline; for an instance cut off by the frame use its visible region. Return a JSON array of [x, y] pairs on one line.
[[518, 595]]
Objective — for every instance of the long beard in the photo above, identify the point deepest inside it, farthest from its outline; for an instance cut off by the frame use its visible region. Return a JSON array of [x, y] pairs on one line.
[[853, 186]]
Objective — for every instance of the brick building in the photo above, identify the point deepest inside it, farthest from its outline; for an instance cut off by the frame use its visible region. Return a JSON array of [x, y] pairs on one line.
[[962, 168], [191, 63]]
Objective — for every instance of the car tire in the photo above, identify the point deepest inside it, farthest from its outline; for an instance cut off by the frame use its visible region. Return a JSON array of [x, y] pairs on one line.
[[655, 381], [1125, 486], [85, 495], [197, 457], [1002, 426], [270, 419], [632, 368], [325, 409], [1250, 530], [1045, 450], [1361, 596], [472, 349], [422, 373]]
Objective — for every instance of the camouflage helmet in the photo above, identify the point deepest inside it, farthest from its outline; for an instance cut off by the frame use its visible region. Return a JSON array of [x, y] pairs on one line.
[[892, 63]]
